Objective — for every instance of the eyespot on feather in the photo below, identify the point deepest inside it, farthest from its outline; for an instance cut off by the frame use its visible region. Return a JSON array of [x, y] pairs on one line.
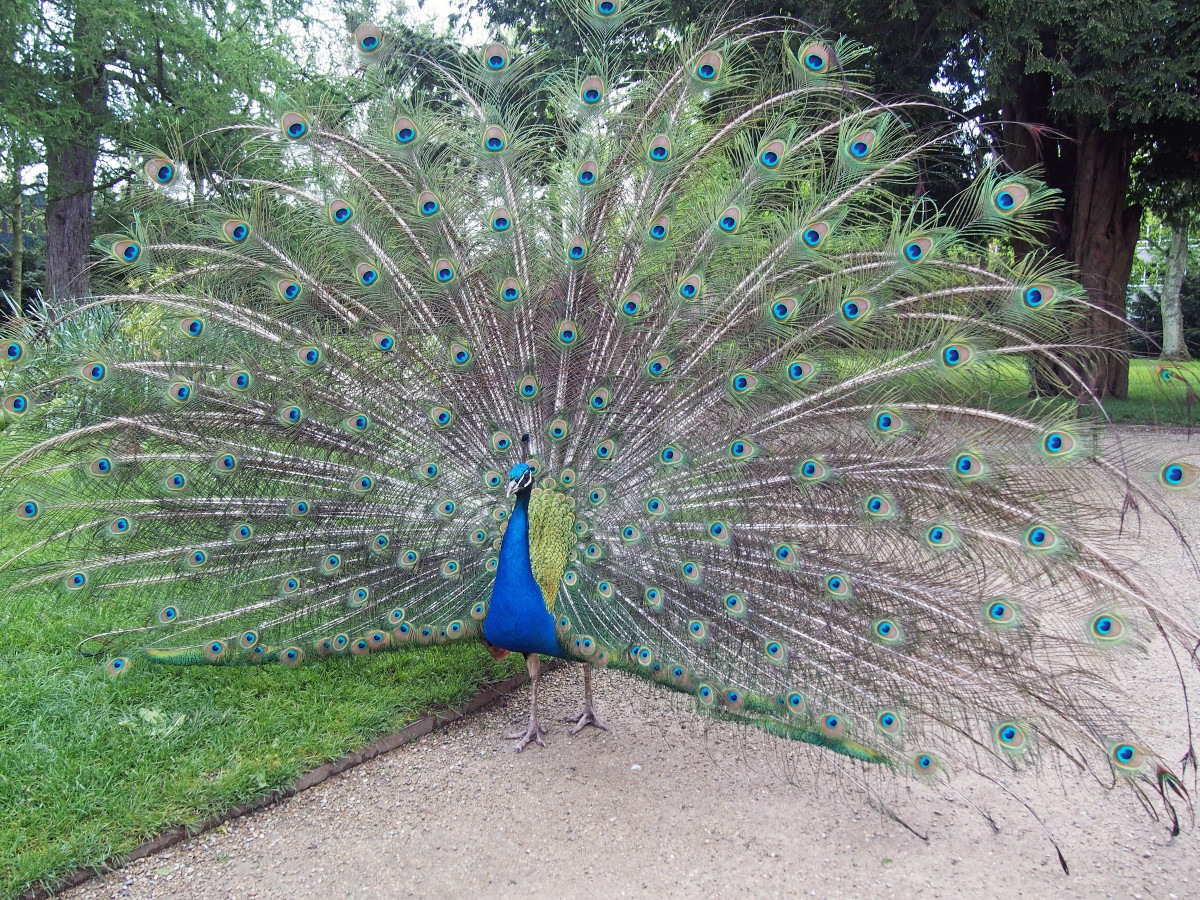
[[500, 220], [1128, 759], [1011, 738], [1038, 296], [236, 231], [495, 57], [1009, 197], [659, 228], [591, 91], [494, 139], [126, 251], [691, 286], [861, 144], [781, 309], [817, 58], [771, 155], [708, 66], [368, 39], [239, 381], [1179, 475], [160, 170], [855, 309], [659, 149], [587, 174], [956, 355], [813, 236], [16, 404], [340, 211], [509, 291], [743, 383], [366, 274], [730, 220], [294, 125], [405, 130]]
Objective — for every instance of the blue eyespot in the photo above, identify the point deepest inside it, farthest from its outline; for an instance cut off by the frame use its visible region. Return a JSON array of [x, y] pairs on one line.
[[659, 153], [658, 231], [812, 237], [770, 159], [706, 71], [952, 356], [913, 251], [851, 310], [587, 176], [405, 134], [814, 62], [14, 351], [728, 223], [1005, 200], [859, 149]]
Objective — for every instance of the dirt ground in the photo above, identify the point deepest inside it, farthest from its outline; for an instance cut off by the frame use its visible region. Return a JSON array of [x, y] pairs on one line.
[[665, 804]]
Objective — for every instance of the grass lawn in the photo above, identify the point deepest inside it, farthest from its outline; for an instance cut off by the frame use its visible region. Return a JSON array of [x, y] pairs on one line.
[[90, 767]]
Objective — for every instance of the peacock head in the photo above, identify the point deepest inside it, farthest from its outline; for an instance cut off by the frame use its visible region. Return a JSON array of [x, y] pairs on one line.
[[520, 478]]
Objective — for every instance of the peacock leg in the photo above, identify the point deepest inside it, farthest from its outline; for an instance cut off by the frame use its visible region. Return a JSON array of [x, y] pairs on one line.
[[587, 715], [535, 730]]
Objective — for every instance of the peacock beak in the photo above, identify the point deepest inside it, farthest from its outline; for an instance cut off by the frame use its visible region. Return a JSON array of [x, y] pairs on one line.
[[513, 486]]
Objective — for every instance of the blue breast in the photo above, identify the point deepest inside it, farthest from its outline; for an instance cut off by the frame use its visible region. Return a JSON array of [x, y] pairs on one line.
[[517, 618]]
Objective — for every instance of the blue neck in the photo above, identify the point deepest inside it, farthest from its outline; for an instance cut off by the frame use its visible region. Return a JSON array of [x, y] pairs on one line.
[[517, 618]]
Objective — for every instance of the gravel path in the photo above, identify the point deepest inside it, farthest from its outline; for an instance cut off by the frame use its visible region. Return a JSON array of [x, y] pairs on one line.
[[667, 804]]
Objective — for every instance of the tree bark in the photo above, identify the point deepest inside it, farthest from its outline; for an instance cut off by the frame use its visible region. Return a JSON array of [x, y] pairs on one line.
[[18, 237], [71, 155], [1096, 228], [1173, 345]]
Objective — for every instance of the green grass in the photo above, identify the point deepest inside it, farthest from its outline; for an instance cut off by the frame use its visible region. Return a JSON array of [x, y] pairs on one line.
[[1150, 400], [91, 767]]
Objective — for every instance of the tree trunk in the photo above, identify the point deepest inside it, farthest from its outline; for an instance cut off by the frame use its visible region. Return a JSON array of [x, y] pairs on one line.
[[18, 238], [1103, 238], [1096, 229], [1173, 346], [71, 154]]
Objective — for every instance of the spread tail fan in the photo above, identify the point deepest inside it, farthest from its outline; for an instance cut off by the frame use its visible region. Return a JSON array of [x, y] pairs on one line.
[[776, 460]]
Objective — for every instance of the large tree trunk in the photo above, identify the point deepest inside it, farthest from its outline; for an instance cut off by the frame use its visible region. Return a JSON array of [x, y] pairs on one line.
[[1173, 345], [1104, 233], [70, 169], [18, 238], [71, 153], [1096, 229]]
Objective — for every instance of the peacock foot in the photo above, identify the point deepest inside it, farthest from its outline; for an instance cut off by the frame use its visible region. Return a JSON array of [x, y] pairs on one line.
[[585, 718], [533, 733]]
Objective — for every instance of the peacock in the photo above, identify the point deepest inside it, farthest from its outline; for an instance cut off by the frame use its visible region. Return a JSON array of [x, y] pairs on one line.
[[676, 369]]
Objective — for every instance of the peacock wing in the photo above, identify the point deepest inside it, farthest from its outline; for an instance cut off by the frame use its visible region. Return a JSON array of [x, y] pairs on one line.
[[551, 539]]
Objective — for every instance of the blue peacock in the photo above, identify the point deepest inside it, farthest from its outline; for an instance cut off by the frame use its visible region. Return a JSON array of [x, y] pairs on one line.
[[671, 371]]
